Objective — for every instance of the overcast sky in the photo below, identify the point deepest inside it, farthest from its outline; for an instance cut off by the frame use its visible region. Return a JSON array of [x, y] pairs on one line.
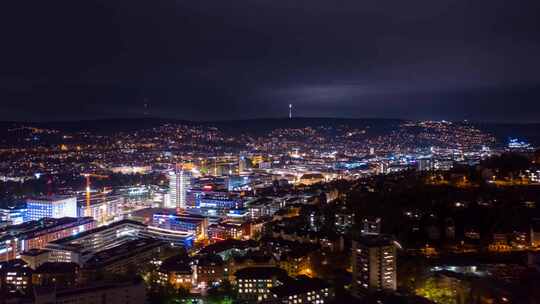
[[206, 60]]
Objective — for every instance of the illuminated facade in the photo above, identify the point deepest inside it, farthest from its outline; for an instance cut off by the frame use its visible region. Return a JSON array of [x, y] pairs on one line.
[[15, 275], [295, 264], [179, 184], [80, 247], [209, 269], [51, 207], [373, 264], [103, 208], [37, 234], [218, 201], [254, 283], [177, 272], [15, 215], [195, 224]]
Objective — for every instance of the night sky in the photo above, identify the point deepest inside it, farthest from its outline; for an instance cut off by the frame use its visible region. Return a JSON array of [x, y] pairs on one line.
[[235, 59]]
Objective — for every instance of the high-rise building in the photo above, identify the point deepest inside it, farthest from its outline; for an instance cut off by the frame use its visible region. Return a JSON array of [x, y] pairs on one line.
[[179, 184], [242, 163], [373, 264], [51, 207]]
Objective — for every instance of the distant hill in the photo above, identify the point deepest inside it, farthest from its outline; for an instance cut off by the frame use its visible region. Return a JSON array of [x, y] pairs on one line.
[[265, 125], [256, 126], [375, 126]]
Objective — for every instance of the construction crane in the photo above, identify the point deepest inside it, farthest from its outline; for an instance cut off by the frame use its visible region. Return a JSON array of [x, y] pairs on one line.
[[87, 176]]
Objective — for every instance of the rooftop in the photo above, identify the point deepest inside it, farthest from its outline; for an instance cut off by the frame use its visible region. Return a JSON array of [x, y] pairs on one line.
[[177, 263], [376, 240], [96, 230], [57, 267], [132, 248], [261, 273], [50, 198]]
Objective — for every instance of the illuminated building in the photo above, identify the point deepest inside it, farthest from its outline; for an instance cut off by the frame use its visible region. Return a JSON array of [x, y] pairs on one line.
[[373, 264], [177, 271], [209, 269], [263, 206], [102, 207], [13, 215], [51, 207], [218, 201], [515, 144], [257, 159], [242, 163], [228, 230], [302, 290], [534, 176], [254, 283], [15, 275], [344, 220], [166, 225], [194, 224], [81, 247], [131, 169], [56, 274], [168, 236], [179, 184], [311, 178], [295, 263], [37, 234], [122, 259]]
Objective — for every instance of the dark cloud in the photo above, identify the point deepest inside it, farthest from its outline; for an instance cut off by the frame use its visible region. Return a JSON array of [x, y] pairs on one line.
[[250, 58]]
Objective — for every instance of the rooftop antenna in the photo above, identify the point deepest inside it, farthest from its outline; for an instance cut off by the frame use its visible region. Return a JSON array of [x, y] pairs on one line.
[[290, 111], [146, 107]]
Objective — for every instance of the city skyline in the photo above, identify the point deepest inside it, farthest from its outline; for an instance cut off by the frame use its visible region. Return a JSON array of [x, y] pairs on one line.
[[270, 152]]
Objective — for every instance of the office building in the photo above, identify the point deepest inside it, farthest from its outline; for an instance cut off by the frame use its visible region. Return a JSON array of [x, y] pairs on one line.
[[217, 201], [13, 215], [179, 185], [51, 207], [373, 264], [121, 259], [102, 207], [37, 234], [194, 224], [82, 246]]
